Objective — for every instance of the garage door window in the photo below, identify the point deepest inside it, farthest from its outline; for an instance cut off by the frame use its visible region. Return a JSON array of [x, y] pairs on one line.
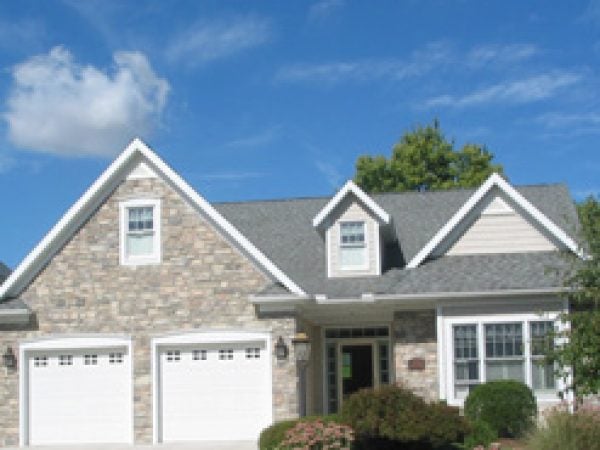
[[226, 354], [173, 356], [199, 355], [115, 358], [253, 353], [40, 361], [65, 360], [90, 360]]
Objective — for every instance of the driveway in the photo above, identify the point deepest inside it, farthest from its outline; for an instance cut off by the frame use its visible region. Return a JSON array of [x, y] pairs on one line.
[[208, 445]]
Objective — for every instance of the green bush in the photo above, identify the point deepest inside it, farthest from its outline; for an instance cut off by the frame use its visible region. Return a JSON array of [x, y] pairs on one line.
[[272, 436], [508, 406], [480, 433], [317, 434], [394, 417], [562, 430]]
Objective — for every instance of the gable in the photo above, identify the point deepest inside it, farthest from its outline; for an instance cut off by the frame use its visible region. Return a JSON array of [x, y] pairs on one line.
[[453, 228], [80, 212], [350, 209], [498, 227]]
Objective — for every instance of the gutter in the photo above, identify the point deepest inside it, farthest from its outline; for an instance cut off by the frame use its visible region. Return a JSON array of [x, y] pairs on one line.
[[290, 302]]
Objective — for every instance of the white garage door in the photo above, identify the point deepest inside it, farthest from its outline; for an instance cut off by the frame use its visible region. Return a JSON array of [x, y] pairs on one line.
[[217, 391], [79, 396]]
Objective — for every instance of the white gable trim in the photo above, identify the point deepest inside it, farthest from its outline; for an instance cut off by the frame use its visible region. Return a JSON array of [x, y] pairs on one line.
[[68, 224], [350, 187], [497, 181]]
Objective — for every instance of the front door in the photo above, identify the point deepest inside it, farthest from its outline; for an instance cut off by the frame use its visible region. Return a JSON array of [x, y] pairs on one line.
[[356, 368]]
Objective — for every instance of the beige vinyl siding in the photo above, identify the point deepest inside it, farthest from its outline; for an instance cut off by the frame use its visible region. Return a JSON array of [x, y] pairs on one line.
[[499, 228], [351, 210]]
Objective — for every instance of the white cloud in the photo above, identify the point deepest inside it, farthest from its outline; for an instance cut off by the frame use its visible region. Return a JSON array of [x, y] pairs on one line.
[[58, 106], [331, 173], [500, 54], [258, 139], [209, 41], [560, 119], [526, 90], [420, 62], [324, 8]]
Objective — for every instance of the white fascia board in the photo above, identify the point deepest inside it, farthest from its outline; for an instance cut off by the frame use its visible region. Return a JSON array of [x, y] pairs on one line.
[[473, 201], [350, 187], [40, 255]]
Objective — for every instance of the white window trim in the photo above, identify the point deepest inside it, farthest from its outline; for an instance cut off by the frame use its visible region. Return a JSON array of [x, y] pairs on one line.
[[156, 256], [447, 372], [340, 246]]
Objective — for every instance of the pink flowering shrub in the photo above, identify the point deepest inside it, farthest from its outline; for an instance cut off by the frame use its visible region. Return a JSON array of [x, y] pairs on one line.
[[318, 435]]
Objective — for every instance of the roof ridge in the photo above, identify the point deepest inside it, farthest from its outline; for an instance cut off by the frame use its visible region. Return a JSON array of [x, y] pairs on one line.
[[381, 194]]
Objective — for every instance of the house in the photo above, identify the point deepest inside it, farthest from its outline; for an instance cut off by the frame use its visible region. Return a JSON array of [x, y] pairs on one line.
[[149, 315]]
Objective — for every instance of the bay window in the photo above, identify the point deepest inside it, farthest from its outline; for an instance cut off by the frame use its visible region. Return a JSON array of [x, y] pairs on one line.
[[486, 348]]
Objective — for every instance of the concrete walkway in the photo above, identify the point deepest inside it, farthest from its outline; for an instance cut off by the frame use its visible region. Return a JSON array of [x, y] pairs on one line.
[[207, 445]]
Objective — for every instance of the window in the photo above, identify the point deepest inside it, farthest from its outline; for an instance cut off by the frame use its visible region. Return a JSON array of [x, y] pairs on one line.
[[40, 361], [353, 250], [65, 360], [199, 355], [90, 360], [115, 358], [140, 232], [542, 374], [485, 349], [466, 360], [226, 354], [504, 352], [173, 355], [253, 353]]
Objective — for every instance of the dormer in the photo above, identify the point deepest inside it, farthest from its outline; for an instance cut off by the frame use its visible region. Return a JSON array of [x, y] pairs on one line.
[[355, 229]]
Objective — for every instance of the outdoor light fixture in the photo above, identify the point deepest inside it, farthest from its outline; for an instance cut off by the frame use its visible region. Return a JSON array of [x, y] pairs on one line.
[[9, 359], [281, 350], [301, 347]]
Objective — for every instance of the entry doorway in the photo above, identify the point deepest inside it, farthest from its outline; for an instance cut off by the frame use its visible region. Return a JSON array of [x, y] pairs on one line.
[[357, 368], [354, 358]]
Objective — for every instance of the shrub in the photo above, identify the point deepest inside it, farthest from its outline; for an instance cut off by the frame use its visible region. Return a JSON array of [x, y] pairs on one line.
[[562, 430], [272, 436], [480, 433], [317, 434], [391, 415], [508, 406]]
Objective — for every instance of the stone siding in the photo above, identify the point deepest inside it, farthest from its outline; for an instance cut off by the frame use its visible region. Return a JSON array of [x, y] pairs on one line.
[[414, 336], [203, 282]]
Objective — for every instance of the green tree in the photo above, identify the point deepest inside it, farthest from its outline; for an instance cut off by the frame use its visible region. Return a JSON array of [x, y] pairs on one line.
[[578, 356], [424, 160]]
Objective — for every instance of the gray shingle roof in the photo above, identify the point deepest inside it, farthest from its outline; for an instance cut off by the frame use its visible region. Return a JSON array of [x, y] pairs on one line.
[[13, 303], [283, 231]]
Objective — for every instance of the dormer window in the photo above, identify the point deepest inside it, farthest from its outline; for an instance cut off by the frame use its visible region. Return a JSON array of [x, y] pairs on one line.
[[140, 232], [353, 249]]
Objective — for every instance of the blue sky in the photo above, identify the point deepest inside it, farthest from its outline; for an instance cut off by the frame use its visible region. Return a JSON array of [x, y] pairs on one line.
[[274, 99]]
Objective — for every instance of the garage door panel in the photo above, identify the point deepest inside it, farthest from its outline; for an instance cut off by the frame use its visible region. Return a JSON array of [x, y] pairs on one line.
[[224, 396], [78, 399]]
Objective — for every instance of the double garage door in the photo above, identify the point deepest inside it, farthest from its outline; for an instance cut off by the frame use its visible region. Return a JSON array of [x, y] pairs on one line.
[[203, 390]]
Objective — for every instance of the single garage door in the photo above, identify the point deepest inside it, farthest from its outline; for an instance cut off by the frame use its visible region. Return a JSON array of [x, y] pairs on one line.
[[214, 391], [79, 396]]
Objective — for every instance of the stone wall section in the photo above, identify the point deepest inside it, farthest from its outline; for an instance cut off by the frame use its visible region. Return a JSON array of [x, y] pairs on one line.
[[203, 283], [414, 336]]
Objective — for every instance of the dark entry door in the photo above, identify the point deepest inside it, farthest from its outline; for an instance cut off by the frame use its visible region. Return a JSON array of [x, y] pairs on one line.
[[357, 368]]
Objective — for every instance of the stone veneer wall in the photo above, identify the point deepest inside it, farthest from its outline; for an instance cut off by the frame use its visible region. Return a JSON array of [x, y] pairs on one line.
[[414, 336], [202, 283]]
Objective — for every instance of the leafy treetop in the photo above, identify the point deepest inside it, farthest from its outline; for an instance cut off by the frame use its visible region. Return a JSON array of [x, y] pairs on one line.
[[425, 160]]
